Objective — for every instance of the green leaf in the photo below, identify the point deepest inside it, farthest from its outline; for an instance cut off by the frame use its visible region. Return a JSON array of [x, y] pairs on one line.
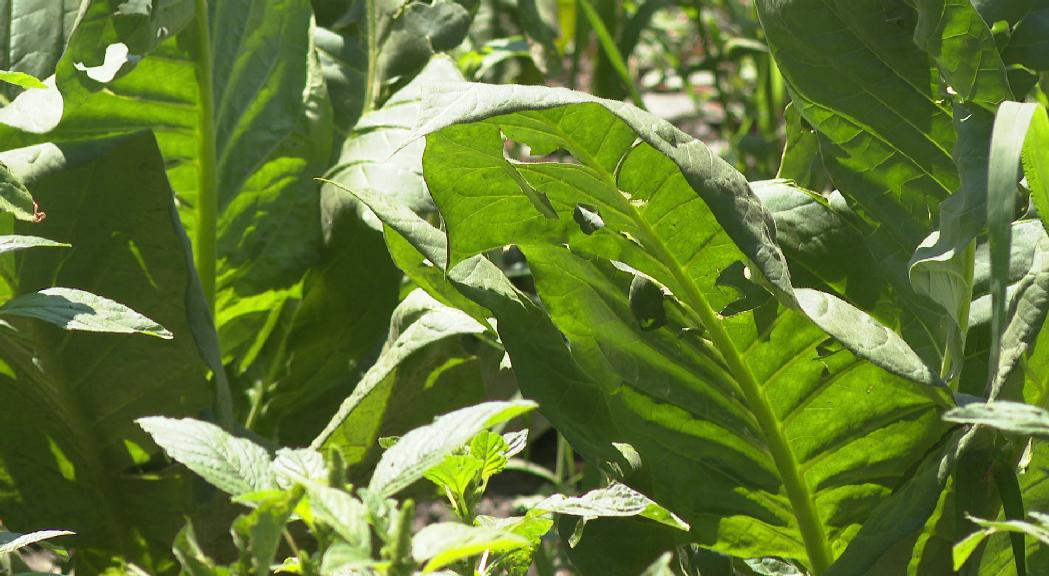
[[490, 449], [193, 560], [885, 137], [956, 37], [1007, 141], [617, 546], [14, 242], [677, 214], [618, 500], [72, 398], [72, 309], [611, 51], [14, 197], [11, 541], [258, 533], [1038, 529], [1028, 43], [270, 130], [347, 515], [419, 450], [299, 466], [21, 79], [1012, 417], [448, 542], [234, 465], [421, 372]]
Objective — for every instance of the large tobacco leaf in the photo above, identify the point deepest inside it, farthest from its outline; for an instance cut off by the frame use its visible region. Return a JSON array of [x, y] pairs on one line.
[[246, 114], [72, 455], [723, 375]]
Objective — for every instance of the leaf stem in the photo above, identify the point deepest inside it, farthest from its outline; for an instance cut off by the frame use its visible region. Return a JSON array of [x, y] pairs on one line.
[[370, 91], [207, 170], [816, 545]]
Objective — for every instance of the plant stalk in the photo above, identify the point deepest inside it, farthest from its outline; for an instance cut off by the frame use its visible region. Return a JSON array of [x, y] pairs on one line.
[[371, 92], [207, 171]]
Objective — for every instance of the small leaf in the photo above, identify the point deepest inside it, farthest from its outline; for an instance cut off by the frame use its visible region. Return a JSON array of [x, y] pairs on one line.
[[14, 197], [73, 309], [259, 531], [234, 465], [448, 542], [347, 515], [422, 448], [12, 541], [490, 449], [21, 79], [618, 500], [13, 242]]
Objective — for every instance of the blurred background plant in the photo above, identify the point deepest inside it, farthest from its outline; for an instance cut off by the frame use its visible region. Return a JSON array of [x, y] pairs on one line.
[[703, 65]]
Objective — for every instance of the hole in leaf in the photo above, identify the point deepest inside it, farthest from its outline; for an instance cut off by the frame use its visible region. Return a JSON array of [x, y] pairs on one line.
[[588, 218], [646, 303]]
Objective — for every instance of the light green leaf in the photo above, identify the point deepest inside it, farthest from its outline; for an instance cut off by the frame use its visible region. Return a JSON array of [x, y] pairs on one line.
[[72, 398], [618, 500], [14, 242], [490, 449], [11, 541], [234, 465], [347, 515], [419, 450], [72, 309], [298, 466], [447, 542], [21, 79], [1012, 417]]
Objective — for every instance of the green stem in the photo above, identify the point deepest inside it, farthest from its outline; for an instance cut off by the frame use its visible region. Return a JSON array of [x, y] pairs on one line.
[[370, 89], [815, 539], [207, 171], [963, 315], [816, 545]]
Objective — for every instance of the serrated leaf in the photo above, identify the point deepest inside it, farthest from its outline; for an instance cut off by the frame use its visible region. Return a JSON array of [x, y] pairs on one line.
[[298, 466], [447, 542], [72, 309], [618, 500], [234, 465], [420, 449]]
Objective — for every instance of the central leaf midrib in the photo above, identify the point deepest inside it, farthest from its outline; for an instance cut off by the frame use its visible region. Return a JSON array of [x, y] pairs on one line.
[[798, 493]]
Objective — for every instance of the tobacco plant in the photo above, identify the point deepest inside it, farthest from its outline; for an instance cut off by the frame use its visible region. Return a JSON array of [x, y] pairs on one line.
[[839, 371]]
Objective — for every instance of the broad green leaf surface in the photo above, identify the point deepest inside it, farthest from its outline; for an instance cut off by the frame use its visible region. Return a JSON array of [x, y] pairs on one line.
[[272, 129], [422, 372], [33, 35], [72, 309], [444, 543], [407, 460], [234, 465], [885, 137], [71, 398], [617, 546], [11, 542], [1029, 43], [677, 214], [829, 248], [376, 48], [322, 369], [957, 38]]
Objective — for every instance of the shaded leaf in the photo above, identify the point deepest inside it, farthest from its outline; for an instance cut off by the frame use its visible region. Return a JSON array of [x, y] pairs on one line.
[[72, 309]]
